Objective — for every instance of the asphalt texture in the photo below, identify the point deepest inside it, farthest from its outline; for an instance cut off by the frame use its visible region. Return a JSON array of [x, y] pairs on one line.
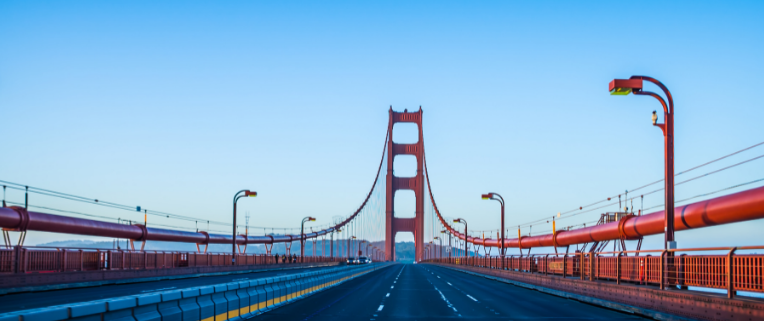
[[30, 300], [427, 292]]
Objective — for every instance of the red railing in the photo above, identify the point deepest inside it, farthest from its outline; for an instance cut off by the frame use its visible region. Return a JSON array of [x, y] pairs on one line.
[[50, 260], [733, 272]]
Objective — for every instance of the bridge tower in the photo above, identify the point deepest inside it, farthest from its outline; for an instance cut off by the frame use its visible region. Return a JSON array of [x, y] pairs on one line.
[[393, 225]]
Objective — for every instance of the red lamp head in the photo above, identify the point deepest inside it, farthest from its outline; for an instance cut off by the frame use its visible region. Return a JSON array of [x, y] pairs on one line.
[[625, 86], [487, 196], [250, 194]]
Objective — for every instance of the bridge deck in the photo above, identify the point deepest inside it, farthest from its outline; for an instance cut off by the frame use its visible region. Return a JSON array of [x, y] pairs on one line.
[[428, 292]]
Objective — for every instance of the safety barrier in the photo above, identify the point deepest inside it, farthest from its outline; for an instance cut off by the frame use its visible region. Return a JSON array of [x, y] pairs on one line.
[[219, 302], [733, 272], [48, 260]]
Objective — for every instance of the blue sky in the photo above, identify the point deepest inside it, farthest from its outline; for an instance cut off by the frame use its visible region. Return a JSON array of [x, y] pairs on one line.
[[175, 106]]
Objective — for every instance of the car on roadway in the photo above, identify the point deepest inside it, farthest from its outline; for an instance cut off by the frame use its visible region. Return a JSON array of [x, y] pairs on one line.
[[363, 260], [352, 261]]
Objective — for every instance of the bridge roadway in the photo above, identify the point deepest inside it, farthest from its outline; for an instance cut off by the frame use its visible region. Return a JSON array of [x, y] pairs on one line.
[[30, 300], [427, 292]]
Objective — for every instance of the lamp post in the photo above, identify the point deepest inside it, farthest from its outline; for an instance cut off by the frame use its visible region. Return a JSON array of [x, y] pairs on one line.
[[450, 247], [441, 243], [331, 247], [349, 247], [302, 236], [246, 193], [634, 85], [492, 196], [438, 248], [461, 220]]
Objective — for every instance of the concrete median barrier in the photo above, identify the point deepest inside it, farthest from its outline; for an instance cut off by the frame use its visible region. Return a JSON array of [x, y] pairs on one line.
[[227, 301]]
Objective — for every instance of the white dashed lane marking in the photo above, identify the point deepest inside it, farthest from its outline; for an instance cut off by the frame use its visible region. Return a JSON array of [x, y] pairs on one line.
[[444, 299]]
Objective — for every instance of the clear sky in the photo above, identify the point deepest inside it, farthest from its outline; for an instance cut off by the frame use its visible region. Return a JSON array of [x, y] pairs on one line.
[[175, 106]]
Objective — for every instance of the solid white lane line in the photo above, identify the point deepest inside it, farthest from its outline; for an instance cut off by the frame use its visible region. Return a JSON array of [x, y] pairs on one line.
[[446, 282], [473, 299], [380, 308]]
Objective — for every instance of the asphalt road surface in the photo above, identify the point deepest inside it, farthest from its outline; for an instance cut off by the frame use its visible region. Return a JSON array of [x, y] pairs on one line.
[[30, 300], [427, 292]]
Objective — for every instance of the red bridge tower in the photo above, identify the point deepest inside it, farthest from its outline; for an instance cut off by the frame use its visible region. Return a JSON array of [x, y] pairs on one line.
[[394, 225]]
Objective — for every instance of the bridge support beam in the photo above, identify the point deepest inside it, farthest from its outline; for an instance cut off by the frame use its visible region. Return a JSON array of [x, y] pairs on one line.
[[394, 225]]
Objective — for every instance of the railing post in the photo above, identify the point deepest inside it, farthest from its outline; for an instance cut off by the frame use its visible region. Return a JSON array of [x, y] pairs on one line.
[[596, 272], [17, 255], [730, 284], [25, 254], [618, 268], [662, 269], [581, 266], [82, 259], [62, 264], [564, 265], [546, 265]]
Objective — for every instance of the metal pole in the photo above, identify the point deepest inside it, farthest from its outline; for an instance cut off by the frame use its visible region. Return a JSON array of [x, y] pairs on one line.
[[450, 246], [236, 198], [233, 234], [302, 241], [668, 153]]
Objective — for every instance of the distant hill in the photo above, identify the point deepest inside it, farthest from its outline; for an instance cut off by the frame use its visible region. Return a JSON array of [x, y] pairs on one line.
[[404, 251]]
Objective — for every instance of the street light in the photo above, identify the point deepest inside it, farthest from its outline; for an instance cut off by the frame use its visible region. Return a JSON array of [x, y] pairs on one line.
[[461, 220], [634, 85], [491, 196], [449, 242], [349, 245], [236, 198], [441, 245], [302, 236], [331, 243]]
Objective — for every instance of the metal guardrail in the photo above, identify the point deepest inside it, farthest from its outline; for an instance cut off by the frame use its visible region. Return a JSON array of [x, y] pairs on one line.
[[52, 260], [729, 271]]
